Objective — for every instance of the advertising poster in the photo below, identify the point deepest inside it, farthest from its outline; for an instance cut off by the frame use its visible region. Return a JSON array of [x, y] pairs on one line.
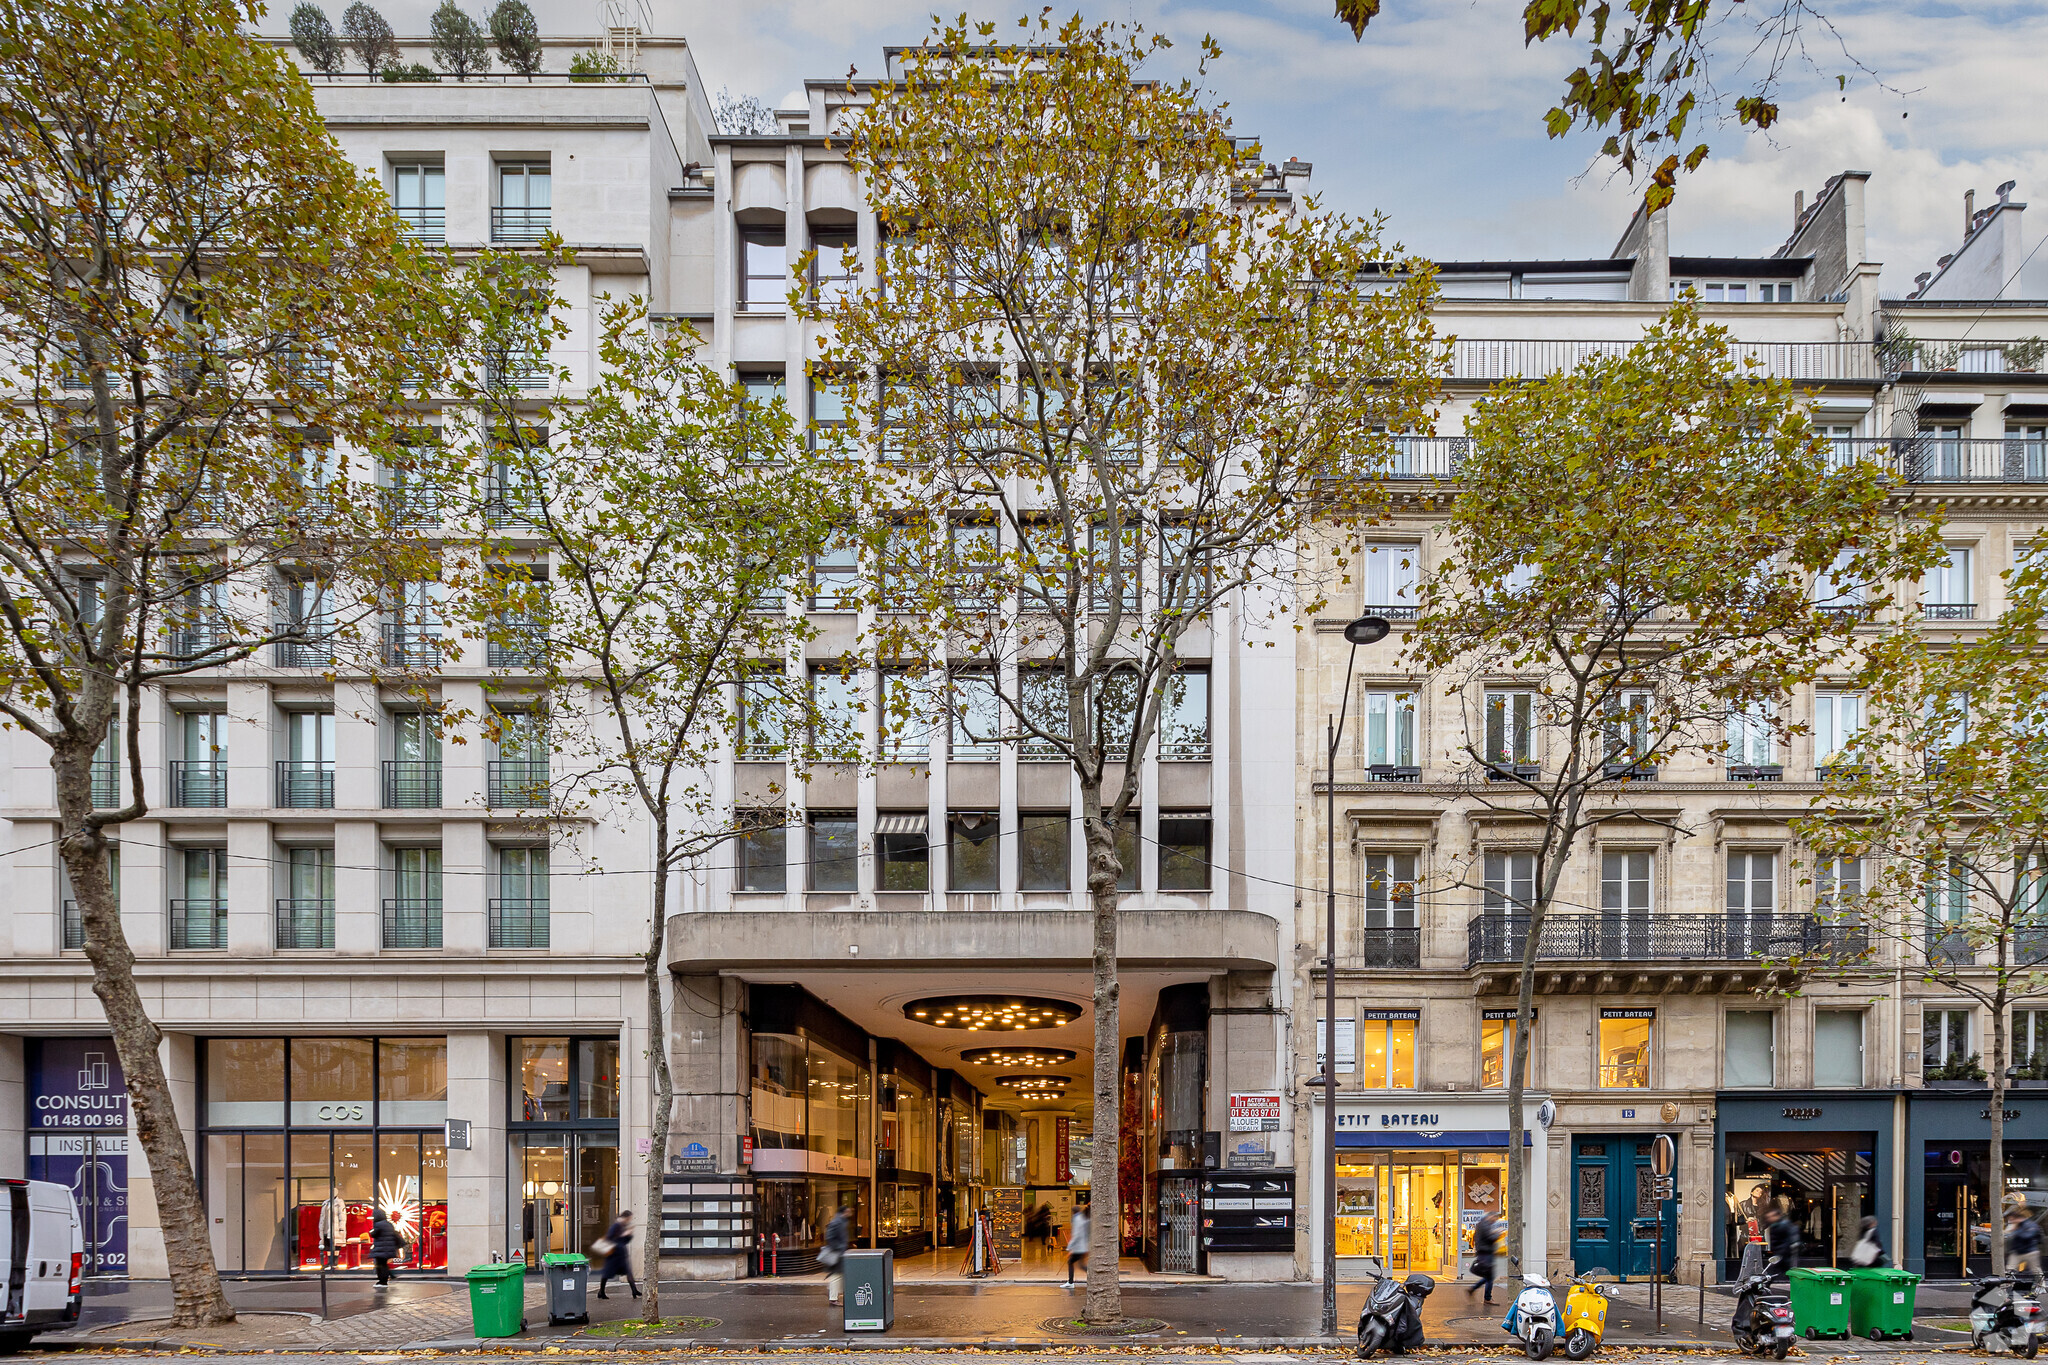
[[78, 1138]]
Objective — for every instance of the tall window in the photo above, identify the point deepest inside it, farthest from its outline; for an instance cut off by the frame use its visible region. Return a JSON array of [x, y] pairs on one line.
[[977, 565], [412, 917], [199, 915], [1043, 700], [306, 778], [1390, 891], [519, 912], [977, 717], [1753, 736], [1945, 1041], [306, 917], [200, 775], [415, 779], [1838, 1048], [903, 856], [764, 270], [1184, 717], [1626, 726], [1497, 1048], [1389, 730], [836, 705], [2032, 439], [525, 199], [1838, 883], [1750, 1057], [829, 419], [1836, 588], [1390, 572], [835, 852], [900, 718], [1948, 905], [1386, 1049], [1625, 1040], [1510, 883], [419, 193], [835, 578], [1752, 900], [1043, 860], [973, 851], [1625, 905], [1837, 722], [763, 718], [1945, 590], [763, 847], [1184, 851], [2030, 1043], [835, 270], [1511, 728]]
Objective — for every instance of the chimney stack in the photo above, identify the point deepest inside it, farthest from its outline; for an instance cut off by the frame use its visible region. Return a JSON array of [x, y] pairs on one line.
[[1969, 211], [1798, 208]]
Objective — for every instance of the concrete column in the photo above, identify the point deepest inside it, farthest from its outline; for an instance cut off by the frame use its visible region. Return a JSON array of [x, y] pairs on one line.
[[357, 714], [478, 1202], [252, 888], [13, 1108], [146, 1257], [252, 773], [465, 887], [462, 764], [358, 887], [151, 872]]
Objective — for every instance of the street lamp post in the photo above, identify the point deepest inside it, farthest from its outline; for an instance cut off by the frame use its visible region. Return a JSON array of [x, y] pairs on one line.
[[1366, 630]]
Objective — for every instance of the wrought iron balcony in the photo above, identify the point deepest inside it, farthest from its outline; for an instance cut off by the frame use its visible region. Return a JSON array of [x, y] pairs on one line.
[[520, 224], [1392, 611], [106, 782], [1388, 948], [304, 653], [412, 923], [407, 506], [1948, 611], [1393, 772], [1486, 359], [1661, 938], [516, 782], [517, 644], [1949, 947], [518, 924], [198, 782], [305, 784], [412, 784], [507, 504], [518, 370], [412, 646], [199, 923], [198, 640], [74, 927], [305, 923]]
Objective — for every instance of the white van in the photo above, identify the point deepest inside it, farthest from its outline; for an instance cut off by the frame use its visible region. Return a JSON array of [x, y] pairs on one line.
[[42, 1251]]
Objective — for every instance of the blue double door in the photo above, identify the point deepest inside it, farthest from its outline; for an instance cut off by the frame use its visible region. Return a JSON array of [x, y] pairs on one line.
[[1618, 1224]]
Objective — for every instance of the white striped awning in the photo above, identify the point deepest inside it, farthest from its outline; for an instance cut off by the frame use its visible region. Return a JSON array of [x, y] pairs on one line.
[[900, 824]]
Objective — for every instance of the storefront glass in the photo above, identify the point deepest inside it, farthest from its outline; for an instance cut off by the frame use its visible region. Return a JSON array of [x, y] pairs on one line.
[[1625, 1037], [305, 1139], [1415, 1211], [790, 1217], [1958, 1198], [565, 1142], [1386, 1049], [1497, 1049], [1822, 1182]]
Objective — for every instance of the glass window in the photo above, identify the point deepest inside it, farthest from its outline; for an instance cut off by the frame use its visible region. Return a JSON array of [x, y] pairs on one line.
[[1043, 862], [763, 718], [245, 1082], [1387, 1050], [764, 270], [311, 736], [903, 853], [1753, 736], [206, 737], [416, 737], [1838, 882], [977, 565], [544, 1080], [1946, 591], [311, 874], [1126, 844], [330, 1082], [1043, 699], [1184, 852], [835, 578], [1389, 729], [1945, 1042], [1625, 1048], [1497, 1048], [1750, 1050], [1835, 588], [412, 1080], [1511, 727], [1838, 1048], [523, 874], [1390, 580], [1510, 883], [780, 1080], [837, 1094], [1184, 717], [835, 269], [1837, 721], [977, 717], [1625, 883], [597, 1078], [763, 852], [837, 704], [1390, 890], [835, 853], [973, 849], [2030, 1043], [1627, 722]]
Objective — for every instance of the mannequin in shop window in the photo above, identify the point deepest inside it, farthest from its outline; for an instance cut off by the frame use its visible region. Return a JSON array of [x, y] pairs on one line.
[[333, 1226]]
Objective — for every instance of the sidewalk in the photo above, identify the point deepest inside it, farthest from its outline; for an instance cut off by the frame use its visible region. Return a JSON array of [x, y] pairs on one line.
[[770, 1314]]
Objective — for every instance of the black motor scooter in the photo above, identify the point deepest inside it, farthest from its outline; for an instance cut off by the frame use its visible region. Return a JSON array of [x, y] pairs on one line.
[[1391, 1320], [1763, 1318], [2005, 1316]]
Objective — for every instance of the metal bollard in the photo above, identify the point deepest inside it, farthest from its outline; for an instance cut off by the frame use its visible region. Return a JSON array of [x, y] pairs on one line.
[[1703, 1296]]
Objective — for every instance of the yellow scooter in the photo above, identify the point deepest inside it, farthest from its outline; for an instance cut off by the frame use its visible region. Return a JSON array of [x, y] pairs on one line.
[[1585, 1318]]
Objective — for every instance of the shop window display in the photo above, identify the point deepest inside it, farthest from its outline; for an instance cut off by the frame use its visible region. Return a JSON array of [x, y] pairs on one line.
[[1822, 1182], [1414, 1210], [1625, 1038], [565, 1142], [1497, 1049], [1958, 1200], [1386, 1049]]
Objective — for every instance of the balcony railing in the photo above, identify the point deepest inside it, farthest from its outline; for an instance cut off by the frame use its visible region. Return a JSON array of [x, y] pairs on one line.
[[1913, 459], [510, 505], [412, 784], [518, 924], [517, 782], [1388, 948], [305, 784], [413, 506], [1392, 611], [106, 782], [1185, 751], [519, 644], [514, 224], [198, 782], [1949, 947], [1393, 772], [411, 646], [518, 370], [305, 653], [74, 927], [199, 924], [303, 923], [427, 224], [412, 923], [1948, 611], [1661, 938], [1756, 772], [1482, 359], [198, 640]]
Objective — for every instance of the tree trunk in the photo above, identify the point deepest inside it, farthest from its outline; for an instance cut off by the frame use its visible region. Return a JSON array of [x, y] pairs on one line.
[[197, 1299], [664, 1087], [1105, 1295], [1994, 1179], [1518, 1076]]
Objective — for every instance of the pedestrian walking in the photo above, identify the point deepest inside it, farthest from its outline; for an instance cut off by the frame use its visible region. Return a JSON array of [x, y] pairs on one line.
[[1781, 1242], [1485, 1246], [384, 1246], [1869, 1250], [617, 1246], [2022, 1242], [1077, 1241], [838, 1237]]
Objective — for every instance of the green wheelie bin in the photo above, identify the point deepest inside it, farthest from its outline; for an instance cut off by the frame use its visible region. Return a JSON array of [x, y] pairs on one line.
[[1820, 1301], [497, 1294], [1881, 1302]]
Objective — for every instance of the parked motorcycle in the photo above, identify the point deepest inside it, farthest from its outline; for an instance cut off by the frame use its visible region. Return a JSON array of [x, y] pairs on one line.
[[1763, 1318], [1532, 1318], [1392, 1317], [1585, 1317], [2005, 1316]]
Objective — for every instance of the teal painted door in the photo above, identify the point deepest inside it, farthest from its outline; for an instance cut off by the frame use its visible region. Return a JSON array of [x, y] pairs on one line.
[[1612, 1193]]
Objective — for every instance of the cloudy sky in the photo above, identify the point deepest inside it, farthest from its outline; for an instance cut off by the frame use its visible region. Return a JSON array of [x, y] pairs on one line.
[[1436, 118]]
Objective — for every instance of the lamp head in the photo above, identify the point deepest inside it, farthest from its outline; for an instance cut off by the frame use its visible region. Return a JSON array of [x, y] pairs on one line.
[[1367, 630]]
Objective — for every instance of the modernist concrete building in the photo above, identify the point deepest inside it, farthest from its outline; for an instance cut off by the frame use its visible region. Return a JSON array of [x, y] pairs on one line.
[[1813, 1100]]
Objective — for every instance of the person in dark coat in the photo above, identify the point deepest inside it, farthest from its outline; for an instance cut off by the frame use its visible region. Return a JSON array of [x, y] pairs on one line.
[[384, 1245], [1485, 1246], [1781, 1243], [619, 1260], [1869, 1248], [838, 1237]]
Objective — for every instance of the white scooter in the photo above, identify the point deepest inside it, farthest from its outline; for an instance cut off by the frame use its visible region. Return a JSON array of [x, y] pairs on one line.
[[1533, 1318]]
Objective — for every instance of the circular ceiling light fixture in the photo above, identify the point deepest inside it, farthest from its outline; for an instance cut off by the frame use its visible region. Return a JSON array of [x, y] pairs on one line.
[[1021, 1058], [991, 1013], [1036, 1085]]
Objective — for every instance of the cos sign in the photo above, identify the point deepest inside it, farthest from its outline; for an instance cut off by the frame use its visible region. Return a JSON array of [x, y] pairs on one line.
[[341, 1113]]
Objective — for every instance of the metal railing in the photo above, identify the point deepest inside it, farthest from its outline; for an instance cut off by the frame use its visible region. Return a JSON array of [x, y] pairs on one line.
[[73, 927], [106, 782], [1393, 772], [1388, 948], [510, 505], [409, 646], [412, 784], [517, 782], [427, 224], [1948, 611], [197, 782], [305, 784], [1394, 611], [305, 923], [412, 923], [520, 224], [304, 653], [1185, 751], [199, 924], [518, 370], [518, 924], [1756, 772], [1913, 459], [1949, 947], [518, 644], [198, 640], [1661, 938], [413, 506], [1481, 359]]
